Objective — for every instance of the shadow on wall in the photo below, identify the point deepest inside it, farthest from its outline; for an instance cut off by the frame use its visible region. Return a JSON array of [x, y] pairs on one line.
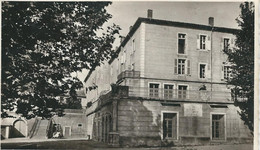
[[16, 133], [139, 124]]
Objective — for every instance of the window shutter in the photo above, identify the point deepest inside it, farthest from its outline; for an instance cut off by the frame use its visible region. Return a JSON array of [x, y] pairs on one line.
[[222, 44], [188, 67], [176, 66], [222, 73], [208, 72], [232, 43], [208, 43], [198, 42]]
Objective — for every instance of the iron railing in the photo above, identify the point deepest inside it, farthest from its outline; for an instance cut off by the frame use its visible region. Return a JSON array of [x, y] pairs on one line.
[[182, 95], [128, 74]]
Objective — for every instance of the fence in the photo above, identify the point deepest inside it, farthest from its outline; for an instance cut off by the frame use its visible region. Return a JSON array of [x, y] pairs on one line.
[[173, 94]]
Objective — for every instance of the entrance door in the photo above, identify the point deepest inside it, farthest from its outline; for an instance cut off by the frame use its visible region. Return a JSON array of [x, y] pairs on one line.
[[67, 131], [218, 127], [170, 126]]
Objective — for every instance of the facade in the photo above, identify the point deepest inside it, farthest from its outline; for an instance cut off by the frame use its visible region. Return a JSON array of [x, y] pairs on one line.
[[167, 85], [72, 124]]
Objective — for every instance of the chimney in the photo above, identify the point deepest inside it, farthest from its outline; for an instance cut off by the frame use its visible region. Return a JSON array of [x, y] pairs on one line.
[[211, 21], [130, 28], [150, 13]]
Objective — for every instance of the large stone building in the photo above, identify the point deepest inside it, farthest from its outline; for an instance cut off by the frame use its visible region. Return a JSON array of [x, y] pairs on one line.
[[166, 85]]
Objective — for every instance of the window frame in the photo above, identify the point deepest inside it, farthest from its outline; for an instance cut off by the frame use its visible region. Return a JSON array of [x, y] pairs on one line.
[[185, 66], [228, 72], [187, 91], [174, 89], [159, 87], [205, 73], [225, 126], [177, 114], [206, 36], [229, 42], [185, 45]]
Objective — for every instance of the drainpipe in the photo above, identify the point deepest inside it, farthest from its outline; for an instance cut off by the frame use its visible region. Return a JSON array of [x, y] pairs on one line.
[[211, 23]]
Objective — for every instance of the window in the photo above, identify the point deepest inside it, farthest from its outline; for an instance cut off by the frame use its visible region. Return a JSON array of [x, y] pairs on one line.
[[181, 43], [203, 42], [226, 43], [202, 70], [168, 91], [154, 90], [227, 72], [79, 125], [169, 126], [182, 91], [181, 66], [218, 127]]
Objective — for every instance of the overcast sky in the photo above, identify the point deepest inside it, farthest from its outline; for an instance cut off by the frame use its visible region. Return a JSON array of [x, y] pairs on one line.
[[125, 14]]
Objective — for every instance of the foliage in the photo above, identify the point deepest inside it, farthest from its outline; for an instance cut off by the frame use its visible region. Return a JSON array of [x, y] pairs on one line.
[[42, 44], [242, 58], [73, 101]]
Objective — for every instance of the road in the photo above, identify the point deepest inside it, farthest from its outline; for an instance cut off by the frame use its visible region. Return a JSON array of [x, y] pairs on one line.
[[91, 145]]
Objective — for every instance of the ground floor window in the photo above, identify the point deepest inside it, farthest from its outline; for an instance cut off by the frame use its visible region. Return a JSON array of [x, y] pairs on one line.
[[169, 125], [218, 127]]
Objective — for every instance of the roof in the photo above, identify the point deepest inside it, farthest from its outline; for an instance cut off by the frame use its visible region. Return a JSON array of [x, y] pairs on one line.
[[166, 23]]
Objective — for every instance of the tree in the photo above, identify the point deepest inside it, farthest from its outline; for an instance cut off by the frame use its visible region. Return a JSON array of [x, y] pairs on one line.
[[242, 59], [42, 44]]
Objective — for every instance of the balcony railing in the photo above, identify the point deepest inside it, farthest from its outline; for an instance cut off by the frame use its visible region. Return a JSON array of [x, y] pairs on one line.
[[179, 95], [128, 74]]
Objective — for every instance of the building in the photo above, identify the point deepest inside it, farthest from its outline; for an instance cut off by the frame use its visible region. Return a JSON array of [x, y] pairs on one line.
[[166, 85]]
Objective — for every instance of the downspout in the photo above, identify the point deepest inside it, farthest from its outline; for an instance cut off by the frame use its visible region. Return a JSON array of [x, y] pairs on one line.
[[211, 23]]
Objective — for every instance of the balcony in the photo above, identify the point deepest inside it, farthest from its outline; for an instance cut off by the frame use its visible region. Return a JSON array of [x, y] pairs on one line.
[[128, 74], [180, 95]]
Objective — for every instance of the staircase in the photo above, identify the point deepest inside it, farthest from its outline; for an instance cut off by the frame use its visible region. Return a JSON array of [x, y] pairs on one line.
[[40, 131]]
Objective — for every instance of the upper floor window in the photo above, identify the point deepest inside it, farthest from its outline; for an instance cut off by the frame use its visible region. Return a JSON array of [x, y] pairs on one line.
[[154, 90], [203, 42], [227, 72], [168, 91], [226, 43], [181, 43], [182, 91], [182, 66], [202, 71]]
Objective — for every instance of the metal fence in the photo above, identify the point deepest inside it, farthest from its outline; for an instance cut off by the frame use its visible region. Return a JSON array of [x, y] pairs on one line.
[[173, 94]]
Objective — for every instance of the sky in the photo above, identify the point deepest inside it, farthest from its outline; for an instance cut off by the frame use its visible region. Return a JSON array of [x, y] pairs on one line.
[[125, 13]]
